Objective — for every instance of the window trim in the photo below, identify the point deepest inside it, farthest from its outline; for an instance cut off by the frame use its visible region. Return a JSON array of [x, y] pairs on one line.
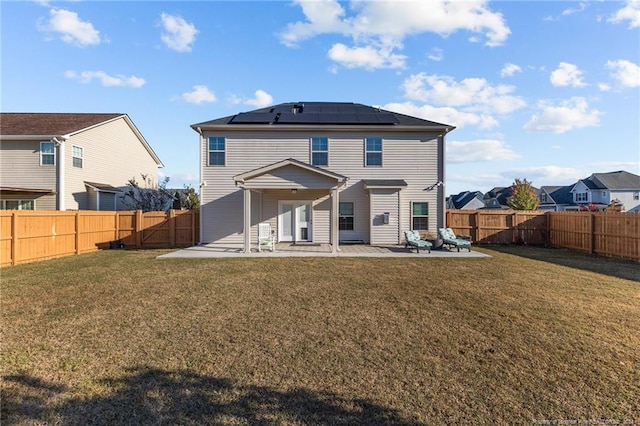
[[223, 151], [367, 151], [352, 215], [319, 151], [74, 157], [3, 205], [413, 216], [53, 154], [580, 195]]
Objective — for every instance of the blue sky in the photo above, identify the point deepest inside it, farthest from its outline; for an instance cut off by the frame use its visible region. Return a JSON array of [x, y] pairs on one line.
[[543, 90]]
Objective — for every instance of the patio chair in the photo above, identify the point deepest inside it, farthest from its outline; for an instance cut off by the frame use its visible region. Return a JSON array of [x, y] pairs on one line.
[[412, 239], [266, 238], [450, 239]]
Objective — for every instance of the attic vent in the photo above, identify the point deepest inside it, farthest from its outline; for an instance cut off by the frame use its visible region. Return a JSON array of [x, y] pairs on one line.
[[297, 108]]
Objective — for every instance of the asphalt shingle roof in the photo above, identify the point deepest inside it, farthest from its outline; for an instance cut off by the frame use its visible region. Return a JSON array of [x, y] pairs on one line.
[[616, 180], [321, 113], [50, 124]]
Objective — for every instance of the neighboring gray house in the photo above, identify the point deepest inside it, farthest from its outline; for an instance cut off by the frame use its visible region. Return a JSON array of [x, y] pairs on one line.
[[497, 197], [466, 200], [320, 172], [67, 161], [600, 189], [556, 198]]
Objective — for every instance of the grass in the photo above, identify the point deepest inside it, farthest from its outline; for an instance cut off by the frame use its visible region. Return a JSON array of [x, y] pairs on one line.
[[528, 336]]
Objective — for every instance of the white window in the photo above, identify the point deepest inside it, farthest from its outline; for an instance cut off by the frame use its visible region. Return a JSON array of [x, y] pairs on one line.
[[77, 156], [346, 217], [320, 151], [636, 195], [419, 216], [581, 197], [373, 152], [543, 197], [47, 154], [18, 205], [217, 148]]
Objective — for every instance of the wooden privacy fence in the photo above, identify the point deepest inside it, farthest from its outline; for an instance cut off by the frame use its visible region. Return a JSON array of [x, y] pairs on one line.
[[27, 236], [608, 234]]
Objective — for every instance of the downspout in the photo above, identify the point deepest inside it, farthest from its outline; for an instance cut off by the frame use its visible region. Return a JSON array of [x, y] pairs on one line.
[[60, 171], [202, 184]]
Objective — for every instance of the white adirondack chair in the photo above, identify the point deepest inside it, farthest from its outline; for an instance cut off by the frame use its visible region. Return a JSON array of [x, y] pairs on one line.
[[266, 238]]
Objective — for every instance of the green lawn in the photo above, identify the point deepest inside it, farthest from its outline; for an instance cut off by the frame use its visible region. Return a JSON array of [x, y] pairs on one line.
[[526, 336]]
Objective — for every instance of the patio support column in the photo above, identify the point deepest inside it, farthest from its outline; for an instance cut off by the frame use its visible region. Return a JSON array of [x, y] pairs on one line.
[[247, 220], [334, 220]]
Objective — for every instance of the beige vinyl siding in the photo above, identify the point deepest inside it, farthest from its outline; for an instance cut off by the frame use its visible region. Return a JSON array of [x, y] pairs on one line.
[[409, 156], [20, 167], [289, 177], [385, 201], [112, 154], [43, 202]]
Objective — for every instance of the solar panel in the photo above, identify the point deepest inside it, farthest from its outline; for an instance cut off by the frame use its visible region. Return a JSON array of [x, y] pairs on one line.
[[254, 117], [336, 118]]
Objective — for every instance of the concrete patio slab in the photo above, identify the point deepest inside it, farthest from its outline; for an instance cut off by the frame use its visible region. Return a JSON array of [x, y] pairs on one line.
[[315, 250]]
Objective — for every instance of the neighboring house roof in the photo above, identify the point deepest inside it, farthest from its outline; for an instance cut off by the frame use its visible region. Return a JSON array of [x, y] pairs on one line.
[[499, 194], [558, 194], [321, 113], [48, 125], [458, 201], [619, 180]]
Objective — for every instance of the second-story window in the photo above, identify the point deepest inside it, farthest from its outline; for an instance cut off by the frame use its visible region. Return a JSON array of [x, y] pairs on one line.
[[543, 197], [78, 156], [581, 197], [47, 154], [217, 145], [373, 152], [320, 151]]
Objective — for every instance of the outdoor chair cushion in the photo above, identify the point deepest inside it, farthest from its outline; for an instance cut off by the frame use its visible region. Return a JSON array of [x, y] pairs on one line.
[[413, 239], [449, 238]]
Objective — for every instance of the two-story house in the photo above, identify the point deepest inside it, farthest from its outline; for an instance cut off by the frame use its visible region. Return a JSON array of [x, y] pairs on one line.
[[66, 161], [320, 172], [600, 189], [556, 198]]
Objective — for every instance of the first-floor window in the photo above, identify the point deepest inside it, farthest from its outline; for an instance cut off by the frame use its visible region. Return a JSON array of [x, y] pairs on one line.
[[77, 156], [345, 217], [419, 216], [18, 205], [47, 154]]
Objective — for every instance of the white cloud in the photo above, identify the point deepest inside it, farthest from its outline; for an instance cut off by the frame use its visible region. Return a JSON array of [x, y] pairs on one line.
[[582, 6], [479, 150], [178, 34], [627, 73], [631, 13], [604, 87], [106, 79], [261, 99], [71, 28], [568, 115], [445, 115], [384, 24], [476, 94], [509, 70], [199, 95], [436, 54], [546, 175], [367, 57], [567, 75]]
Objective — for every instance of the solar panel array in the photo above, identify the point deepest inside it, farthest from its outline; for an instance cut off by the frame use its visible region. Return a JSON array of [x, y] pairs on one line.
[[317, 114]]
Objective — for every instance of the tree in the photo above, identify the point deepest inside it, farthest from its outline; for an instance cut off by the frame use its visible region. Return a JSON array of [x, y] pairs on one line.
[[147, 196], [523, 196], [187, 198]]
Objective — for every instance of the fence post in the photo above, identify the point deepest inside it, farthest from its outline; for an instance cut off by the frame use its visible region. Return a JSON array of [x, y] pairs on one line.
[[78, 232], [547, 217], [193, 226], [592, 226], [172, 228], [117, 227], [476, 227], [14, 238], [138, 229]]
